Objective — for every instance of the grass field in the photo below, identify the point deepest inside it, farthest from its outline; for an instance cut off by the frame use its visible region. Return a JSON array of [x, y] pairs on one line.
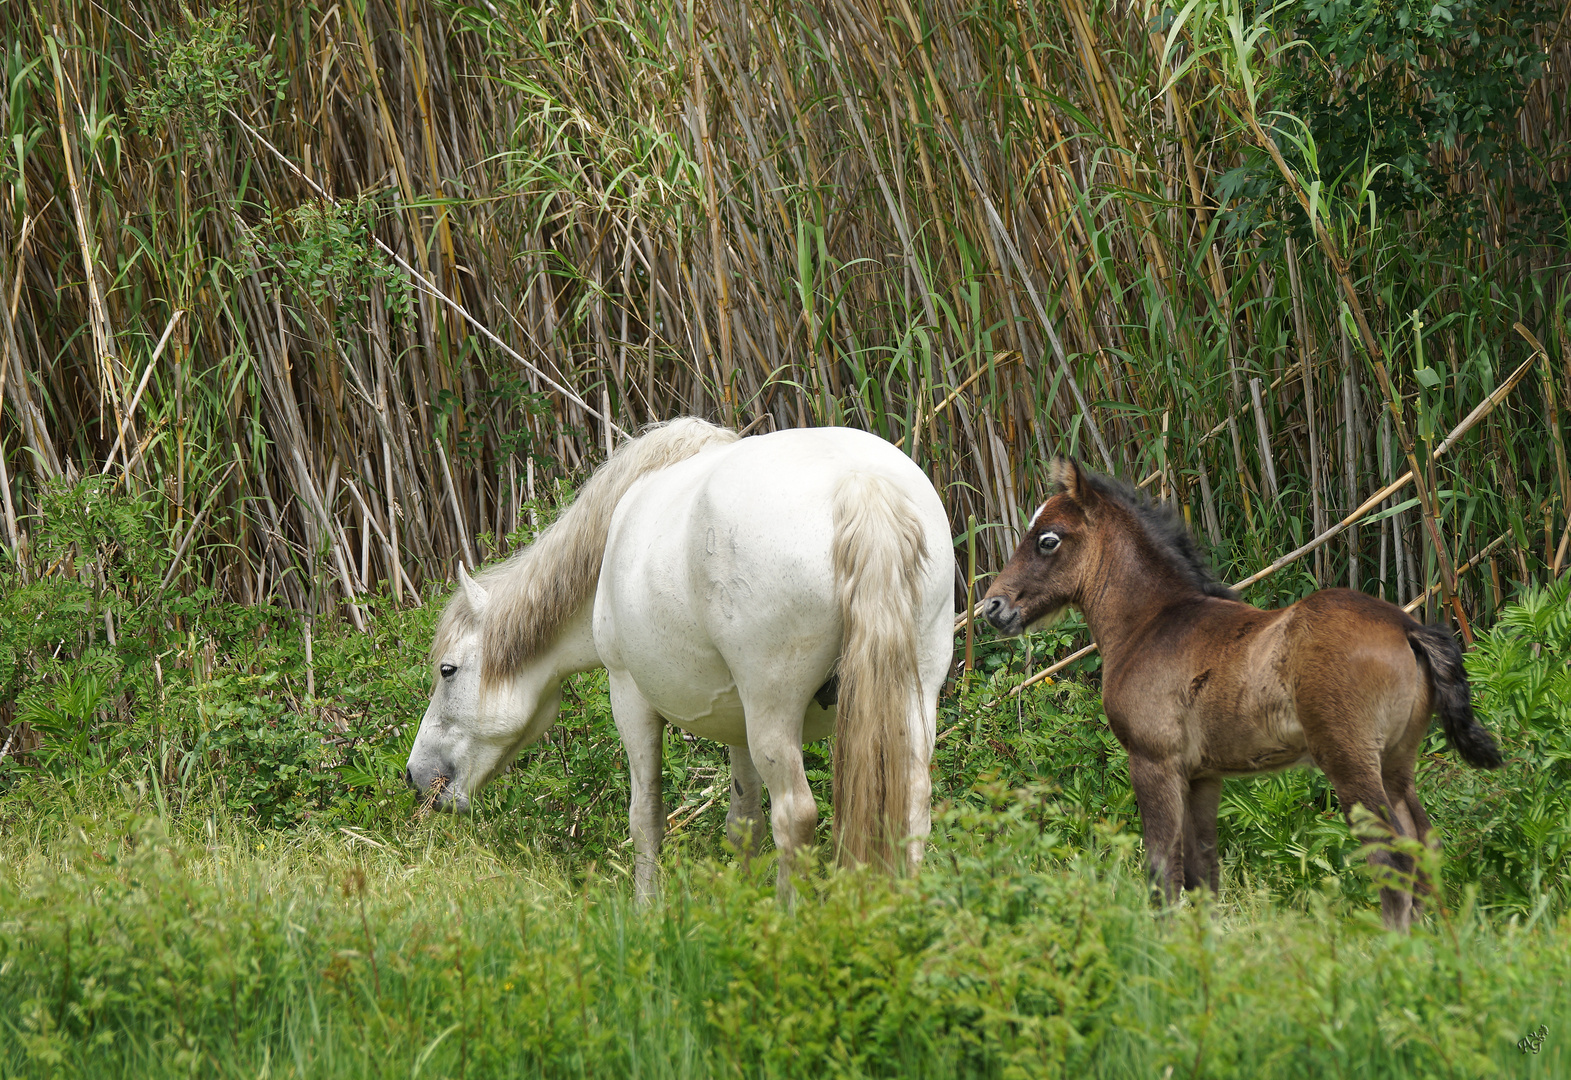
[[200, 895], [139, 946]]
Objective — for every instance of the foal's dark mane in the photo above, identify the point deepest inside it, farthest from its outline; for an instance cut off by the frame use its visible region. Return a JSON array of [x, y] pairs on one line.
[[1166, 530]]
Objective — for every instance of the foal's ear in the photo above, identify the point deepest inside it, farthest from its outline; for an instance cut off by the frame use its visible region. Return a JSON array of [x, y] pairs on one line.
[[1067, 474], [473, 590]]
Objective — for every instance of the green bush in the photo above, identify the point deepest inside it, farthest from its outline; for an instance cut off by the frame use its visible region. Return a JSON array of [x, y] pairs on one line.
[[1512, 828]]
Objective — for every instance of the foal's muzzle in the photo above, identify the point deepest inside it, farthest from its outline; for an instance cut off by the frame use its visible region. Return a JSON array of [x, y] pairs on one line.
[[1005, 617]]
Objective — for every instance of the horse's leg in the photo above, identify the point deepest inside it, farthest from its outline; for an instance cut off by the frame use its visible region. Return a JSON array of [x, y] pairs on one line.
[[774, 739], [1161, 791], [744, 822], [1419, 824], [1357, 779], [641, 729], [1200, 862], [1409, 812], [919, 818], [923, 730]]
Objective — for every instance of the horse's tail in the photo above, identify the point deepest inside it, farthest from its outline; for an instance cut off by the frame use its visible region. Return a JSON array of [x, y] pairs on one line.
[[1438, 648], [878, 553]]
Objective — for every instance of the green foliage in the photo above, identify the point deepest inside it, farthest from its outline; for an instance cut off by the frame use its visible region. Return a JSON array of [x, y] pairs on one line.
[[65, 718], [328, 252], [1516, 843], [133, 945], [153, 954], [102, 557], [201, 695], [203, 70], [994, 963], [1401, 99]]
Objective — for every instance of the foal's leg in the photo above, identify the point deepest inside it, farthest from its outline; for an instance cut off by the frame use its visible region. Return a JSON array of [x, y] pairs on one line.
[[744, 822], [1200, 862], [1356, 776], [1161, 791], [641, 729], [1409, 813]]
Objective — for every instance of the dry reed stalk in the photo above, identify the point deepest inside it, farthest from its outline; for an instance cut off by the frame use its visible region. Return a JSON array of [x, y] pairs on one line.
[[1483, 556], [559, 193], [136, 398], [102, 330], [1262, 428], [1428, 505]]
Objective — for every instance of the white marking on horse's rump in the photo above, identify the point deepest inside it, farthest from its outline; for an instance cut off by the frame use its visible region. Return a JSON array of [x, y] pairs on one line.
[[728, 594]]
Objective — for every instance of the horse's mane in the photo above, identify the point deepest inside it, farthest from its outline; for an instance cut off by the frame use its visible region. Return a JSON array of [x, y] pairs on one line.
[[1165, 528], [533, 592]]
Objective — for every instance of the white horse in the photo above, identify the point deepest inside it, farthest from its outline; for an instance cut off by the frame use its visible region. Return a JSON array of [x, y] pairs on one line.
[[759, 592]]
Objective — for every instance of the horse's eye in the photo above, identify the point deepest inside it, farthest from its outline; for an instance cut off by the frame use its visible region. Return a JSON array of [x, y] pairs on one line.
[[1047, 543], [448, 670]]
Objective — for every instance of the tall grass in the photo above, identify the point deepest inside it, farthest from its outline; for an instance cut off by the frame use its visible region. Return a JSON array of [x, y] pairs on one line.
[[991, 232], [139, 947]]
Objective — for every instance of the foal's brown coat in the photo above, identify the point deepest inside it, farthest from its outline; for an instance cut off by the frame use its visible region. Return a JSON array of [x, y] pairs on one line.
[[1199, 686]]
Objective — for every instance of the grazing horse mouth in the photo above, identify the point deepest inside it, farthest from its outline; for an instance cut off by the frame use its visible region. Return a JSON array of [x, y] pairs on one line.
[[439, 797]]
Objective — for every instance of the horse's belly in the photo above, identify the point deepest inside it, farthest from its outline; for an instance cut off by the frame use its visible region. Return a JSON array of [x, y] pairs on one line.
[[1274, 741], [716, 715]]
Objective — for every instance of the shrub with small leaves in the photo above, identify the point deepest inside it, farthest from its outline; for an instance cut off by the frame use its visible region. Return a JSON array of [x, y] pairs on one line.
[[204, 69], [328, 253]]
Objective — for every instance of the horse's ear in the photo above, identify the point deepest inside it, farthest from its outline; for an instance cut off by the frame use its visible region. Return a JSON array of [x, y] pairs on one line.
[[1067, 474], [473, 590], [1072, 478]]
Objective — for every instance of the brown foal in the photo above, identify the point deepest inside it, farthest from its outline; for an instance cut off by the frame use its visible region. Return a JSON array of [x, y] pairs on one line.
[[1199, 686]]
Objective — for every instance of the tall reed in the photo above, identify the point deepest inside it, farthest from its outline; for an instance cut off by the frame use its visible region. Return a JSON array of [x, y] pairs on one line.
[[991, 232]]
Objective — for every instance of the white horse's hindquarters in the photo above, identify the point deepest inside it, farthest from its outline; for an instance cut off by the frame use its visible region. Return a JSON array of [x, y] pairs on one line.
[[718, 570], [700, 588]]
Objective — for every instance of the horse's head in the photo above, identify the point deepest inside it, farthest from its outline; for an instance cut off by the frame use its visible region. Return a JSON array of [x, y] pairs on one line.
[[1047, 571], [476, 721]]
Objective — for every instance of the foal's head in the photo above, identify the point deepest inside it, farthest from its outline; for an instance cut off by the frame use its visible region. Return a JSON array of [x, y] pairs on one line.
[[1070, 539], [1046, 573]]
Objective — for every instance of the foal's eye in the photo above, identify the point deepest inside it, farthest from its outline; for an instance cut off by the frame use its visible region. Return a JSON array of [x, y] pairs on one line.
[[448, 670], [1047, 543]]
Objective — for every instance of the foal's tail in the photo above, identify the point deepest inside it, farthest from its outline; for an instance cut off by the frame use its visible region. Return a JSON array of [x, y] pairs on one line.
[[1467, 737], [878, 552]]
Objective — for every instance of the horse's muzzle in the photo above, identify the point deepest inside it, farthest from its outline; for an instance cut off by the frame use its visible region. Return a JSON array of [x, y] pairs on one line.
[[1005, 617], [437, 792]]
